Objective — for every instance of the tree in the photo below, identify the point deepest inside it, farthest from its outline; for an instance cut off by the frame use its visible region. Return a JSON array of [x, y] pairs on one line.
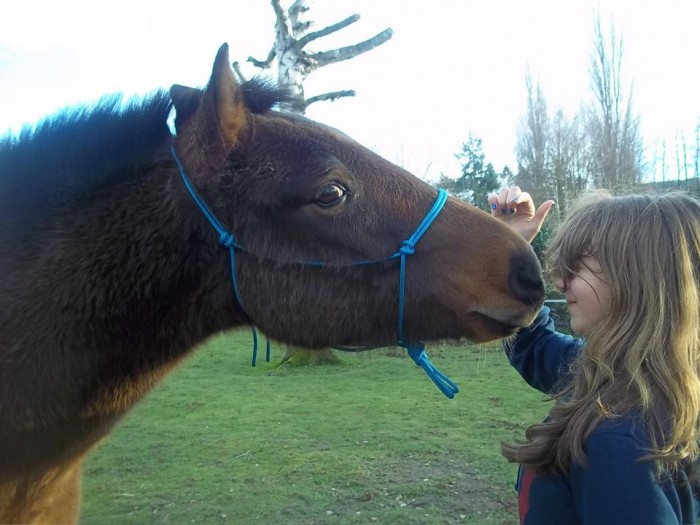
[[600, 145], [567, 159], [551, 151], [478, 178], [507, 177], [697, 150], [616, 148], [295, 63], [696, 157], [532, 144], [683, 160]]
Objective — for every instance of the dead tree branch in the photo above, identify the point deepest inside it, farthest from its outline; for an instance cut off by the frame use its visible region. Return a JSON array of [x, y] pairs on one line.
[[345, 53], [310, 37], [266, 63], [239, 73], [330, 96]]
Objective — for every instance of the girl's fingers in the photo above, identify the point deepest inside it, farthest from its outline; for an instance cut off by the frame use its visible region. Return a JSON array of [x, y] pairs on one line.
[[502, 200], [509, 201], [497, 204], [513, 196], [525, 220], [524, 204], [492, 199], [504, 206]]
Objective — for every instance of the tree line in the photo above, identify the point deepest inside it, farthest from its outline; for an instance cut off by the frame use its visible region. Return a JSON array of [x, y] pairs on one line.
[[600, 146]]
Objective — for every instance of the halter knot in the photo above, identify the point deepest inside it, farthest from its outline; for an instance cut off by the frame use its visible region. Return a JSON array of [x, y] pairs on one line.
[[407, 248], [226, 239]]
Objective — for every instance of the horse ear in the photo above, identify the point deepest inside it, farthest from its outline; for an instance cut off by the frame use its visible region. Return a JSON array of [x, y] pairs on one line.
[[186, 101], [226, 98], [217, 115]]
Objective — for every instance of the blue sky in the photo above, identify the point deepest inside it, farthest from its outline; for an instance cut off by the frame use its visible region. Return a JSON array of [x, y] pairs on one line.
[[450, 69]]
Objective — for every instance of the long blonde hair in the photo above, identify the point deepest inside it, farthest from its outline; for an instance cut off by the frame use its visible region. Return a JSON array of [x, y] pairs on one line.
[[643, 358]]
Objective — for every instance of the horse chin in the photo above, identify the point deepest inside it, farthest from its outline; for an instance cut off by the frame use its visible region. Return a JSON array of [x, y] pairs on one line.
[[488, 328]]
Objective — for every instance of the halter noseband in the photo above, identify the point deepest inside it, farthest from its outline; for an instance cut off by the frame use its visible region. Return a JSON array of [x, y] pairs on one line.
[[406, 248]]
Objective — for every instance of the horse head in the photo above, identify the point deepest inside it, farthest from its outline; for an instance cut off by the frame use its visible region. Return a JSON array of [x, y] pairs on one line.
[[306, 203]]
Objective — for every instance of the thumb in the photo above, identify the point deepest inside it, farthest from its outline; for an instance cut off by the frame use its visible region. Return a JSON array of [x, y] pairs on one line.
[[542, 212], [539, 217]]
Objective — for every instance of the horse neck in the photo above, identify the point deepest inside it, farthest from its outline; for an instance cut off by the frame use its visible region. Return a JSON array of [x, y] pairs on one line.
[[132, 281], [97, 305], [174, 277]]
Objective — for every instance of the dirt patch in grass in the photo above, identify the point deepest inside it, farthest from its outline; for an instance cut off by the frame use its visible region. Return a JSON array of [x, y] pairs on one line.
[[421, 490]]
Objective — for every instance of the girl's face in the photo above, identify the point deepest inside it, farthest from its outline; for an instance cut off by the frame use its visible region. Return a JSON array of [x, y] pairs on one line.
[[587, 295]]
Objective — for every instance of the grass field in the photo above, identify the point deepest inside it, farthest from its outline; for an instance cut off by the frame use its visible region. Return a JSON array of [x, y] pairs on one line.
[[368, 441]]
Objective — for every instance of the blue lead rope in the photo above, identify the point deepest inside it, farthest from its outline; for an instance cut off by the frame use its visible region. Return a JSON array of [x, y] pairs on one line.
[[407, 247], [444, 383], [417, 350], [255, 347]]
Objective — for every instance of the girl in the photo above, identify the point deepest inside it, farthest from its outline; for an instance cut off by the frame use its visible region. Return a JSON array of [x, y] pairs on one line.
[[620, 444]]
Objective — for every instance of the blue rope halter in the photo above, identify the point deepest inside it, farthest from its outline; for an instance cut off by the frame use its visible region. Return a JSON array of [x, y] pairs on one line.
[[407, 247]]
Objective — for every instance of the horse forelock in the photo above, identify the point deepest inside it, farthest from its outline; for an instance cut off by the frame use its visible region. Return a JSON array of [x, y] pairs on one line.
[[262, 94]]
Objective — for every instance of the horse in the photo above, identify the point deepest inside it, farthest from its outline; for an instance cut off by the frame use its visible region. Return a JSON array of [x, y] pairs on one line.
[[111, 273]]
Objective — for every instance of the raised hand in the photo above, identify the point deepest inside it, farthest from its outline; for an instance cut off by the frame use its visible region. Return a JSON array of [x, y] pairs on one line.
[[516, 208]]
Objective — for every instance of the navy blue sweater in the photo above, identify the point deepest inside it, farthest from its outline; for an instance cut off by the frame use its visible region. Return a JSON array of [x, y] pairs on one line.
[[613, 487]]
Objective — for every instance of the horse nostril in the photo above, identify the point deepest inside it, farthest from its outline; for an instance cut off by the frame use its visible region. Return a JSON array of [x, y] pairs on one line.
[[525, 280]]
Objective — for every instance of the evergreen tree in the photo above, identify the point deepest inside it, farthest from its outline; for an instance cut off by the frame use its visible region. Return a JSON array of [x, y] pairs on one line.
[[478, 177]]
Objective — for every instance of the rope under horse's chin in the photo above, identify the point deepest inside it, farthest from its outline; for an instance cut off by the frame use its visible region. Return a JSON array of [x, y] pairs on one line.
[[407, 248]]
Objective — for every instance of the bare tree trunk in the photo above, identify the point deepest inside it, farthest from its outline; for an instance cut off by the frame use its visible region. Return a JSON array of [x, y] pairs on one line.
[[663, 161], [679, 172]]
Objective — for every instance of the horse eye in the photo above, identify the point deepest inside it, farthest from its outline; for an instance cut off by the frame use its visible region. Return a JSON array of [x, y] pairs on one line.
[[330, 195]]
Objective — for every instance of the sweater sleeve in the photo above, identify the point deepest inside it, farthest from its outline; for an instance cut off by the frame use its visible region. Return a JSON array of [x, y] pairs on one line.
[[614, 487], [540, 354]]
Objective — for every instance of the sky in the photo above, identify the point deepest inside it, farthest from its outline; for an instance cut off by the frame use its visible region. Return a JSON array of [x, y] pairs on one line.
[[453, 67]]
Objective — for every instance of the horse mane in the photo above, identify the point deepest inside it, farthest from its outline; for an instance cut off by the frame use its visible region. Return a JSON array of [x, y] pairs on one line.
[[80, 149]]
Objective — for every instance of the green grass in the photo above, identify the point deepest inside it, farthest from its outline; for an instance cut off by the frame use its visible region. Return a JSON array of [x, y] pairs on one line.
[[369, 441]]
